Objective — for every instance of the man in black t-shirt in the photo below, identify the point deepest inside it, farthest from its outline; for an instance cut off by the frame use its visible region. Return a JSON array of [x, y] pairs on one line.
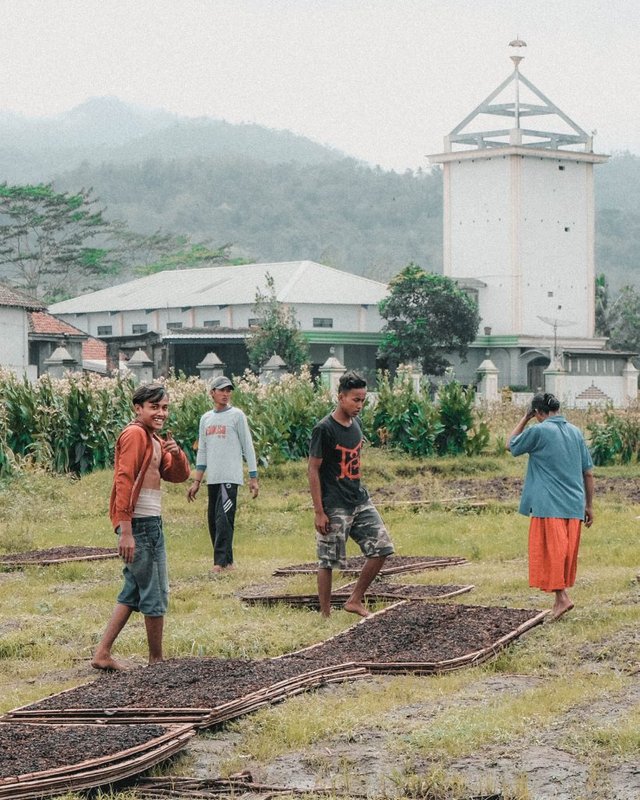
[[341, 504]]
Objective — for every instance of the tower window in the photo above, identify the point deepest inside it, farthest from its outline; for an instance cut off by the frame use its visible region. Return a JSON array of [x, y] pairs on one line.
[[561, 167]]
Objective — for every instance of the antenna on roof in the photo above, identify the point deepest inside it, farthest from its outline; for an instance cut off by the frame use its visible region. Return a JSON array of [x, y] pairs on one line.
[[555, 323]]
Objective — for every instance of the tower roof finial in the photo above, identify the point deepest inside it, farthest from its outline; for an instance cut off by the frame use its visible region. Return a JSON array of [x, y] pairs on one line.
[[513, 44]]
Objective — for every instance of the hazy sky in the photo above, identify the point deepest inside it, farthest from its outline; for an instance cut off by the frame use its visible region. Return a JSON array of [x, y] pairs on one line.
[[382, 80]]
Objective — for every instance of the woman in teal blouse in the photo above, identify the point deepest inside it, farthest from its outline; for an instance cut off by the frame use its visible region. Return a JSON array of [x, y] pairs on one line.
[[557, 496]]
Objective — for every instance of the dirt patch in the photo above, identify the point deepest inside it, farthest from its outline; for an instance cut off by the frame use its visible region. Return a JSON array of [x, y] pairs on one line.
[[623, 488], [375, 760], [551, 770], [57, 555], [503, 489]]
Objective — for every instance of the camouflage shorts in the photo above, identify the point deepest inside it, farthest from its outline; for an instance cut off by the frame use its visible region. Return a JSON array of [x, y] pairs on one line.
[[364, 525]]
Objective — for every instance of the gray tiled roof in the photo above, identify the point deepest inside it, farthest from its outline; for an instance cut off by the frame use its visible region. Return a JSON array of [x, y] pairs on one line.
[[296, 282]]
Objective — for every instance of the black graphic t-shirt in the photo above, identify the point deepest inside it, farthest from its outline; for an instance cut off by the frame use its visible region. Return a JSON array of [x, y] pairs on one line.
[[339, 447]]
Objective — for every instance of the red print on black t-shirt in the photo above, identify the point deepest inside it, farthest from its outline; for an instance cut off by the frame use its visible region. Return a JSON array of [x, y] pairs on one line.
[[349, 462]]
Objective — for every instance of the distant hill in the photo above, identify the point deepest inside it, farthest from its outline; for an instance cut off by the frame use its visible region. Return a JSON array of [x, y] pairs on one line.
[[342, 213], [617, 188], [272, 194], [104, 129]]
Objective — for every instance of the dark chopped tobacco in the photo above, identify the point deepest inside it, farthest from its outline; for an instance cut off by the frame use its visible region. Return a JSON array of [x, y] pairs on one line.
[[422, 632], [178, 683], [35, 748], [410, 632], [355, 563], [57, 554]]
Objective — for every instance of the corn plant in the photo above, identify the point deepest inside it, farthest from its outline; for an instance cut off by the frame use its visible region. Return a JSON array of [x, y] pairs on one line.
[[189, 401], [281, 415], [402, 418], [615, 440], [7, 457]]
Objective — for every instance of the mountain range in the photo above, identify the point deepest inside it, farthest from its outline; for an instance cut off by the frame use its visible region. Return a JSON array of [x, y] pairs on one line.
[[273, 195]]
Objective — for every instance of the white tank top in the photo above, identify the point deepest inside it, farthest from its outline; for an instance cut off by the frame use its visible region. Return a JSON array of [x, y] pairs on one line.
[[148, 504]]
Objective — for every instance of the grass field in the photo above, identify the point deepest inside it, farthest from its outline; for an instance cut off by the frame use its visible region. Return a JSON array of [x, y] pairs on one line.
[[574, 683]]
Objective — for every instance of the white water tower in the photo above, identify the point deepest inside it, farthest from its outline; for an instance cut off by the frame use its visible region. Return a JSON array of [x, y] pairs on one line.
[[519, 211]]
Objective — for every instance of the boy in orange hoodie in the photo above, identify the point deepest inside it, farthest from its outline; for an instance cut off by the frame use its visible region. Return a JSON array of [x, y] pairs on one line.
[[142, 460]]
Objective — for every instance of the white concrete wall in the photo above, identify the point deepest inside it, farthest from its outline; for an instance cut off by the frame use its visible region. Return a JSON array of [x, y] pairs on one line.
[[612, 386], [556, 246], [478, 234], [14, 339], [356, 318], [523, 227]]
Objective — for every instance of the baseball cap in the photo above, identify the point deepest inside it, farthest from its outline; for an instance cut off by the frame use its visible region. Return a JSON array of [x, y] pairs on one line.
[[221, 382]]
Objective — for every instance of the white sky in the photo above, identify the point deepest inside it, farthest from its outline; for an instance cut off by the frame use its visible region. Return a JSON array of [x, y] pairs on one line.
[[382, 80]]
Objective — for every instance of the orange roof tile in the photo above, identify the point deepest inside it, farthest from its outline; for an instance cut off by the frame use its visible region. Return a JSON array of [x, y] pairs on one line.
[[45, 323], [94, 350]]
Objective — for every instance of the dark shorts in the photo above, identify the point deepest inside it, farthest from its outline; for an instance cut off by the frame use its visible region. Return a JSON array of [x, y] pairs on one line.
[[146, 583], [364, 525]]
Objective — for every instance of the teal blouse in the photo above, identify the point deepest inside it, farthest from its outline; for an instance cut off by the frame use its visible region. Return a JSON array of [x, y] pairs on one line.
[[558, 458]]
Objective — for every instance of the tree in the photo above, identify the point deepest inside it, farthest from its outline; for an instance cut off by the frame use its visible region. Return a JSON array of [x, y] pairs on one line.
[[49, 239], [278, 332], [159, 251], [624, 320], [602, 306], [426, 317]]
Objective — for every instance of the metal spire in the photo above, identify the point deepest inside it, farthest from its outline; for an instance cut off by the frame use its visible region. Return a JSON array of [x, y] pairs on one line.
[[516, 109]]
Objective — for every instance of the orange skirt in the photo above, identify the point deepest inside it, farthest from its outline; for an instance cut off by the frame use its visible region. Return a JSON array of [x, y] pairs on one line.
[[553, 552]]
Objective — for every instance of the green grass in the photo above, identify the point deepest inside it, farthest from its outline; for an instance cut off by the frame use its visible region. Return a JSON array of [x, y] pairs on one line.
[[52, 617]]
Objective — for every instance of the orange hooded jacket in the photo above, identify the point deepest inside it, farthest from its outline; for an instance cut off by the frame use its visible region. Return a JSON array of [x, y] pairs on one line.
[[133, 453]]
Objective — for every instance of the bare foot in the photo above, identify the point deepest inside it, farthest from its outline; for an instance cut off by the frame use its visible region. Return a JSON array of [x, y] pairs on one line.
[[153, 661], [229, 568], [558, 611], [355, 607], [107, 664], [217, 569]]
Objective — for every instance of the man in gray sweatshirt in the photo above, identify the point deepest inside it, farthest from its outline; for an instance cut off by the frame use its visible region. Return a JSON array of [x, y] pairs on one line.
[[224, 439]]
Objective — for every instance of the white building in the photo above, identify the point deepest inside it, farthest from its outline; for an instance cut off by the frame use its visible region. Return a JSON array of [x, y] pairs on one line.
[[15, 307], [519, 235], [179, 316]]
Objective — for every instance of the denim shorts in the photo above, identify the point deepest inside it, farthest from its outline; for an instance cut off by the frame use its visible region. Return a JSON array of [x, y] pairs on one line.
[[364, 525], [146, 583]]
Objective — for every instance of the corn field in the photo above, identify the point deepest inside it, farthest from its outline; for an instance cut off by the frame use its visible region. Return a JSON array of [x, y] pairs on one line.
[[70, 425]]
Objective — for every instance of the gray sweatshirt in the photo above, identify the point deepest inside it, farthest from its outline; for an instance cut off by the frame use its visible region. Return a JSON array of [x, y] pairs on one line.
[[224, 438]]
